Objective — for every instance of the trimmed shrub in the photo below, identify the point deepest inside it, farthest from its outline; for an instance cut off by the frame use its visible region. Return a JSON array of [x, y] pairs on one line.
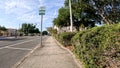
[[65, 38], [98, 47]]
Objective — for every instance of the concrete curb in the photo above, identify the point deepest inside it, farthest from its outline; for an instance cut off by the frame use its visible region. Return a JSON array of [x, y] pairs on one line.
[[26, 56], [73, 56]]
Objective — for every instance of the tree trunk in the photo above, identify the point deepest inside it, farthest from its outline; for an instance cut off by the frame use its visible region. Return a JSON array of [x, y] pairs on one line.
[[77, 28], [105, 19]]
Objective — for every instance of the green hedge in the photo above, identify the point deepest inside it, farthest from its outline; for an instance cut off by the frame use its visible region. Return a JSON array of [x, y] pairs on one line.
[[65, 38], [98, 47]]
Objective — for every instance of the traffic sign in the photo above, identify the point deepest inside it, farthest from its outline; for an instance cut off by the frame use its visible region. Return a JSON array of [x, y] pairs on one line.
[[42, 10]]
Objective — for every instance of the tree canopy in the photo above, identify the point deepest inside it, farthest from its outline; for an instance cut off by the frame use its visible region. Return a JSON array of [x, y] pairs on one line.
[[29, 28], [44, 33], [3, 28], [87, 13], [109, 10], [63, 18]]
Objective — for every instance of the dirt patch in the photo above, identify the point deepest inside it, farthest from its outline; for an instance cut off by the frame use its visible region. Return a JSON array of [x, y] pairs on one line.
[[69, 47]]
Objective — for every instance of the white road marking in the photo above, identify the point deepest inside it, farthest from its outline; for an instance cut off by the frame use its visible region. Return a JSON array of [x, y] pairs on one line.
[[2, 47], [18, 48], [9, 46], [20, 43], [1, 41]]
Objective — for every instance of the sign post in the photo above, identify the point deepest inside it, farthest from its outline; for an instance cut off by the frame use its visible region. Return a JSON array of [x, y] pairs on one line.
[[41, 12]]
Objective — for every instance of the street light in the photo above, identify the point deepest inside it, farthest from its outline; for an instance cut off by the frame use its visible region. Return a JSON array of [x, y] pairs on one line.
[[71, 21], [41, 12]]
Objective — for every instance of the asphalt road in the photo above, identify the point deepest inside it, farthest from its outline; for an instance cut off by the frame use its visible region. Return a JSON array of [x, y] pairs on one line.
[[12, 50]]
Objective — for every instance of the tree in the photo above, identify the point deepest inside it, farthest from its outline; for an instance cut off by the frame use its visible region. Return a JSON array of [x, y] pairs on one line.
[[44, 33], [3, 28], [87, 13], [29, 28], [24, 28], [36, 30], [83, 15], [52, 31], [109, 10], [63, 18]]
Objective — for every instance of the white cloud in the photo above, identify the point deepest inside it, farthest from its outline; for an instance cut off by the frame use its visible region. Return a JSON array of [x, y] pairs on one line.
[[29, 18], [22, 11], [13, 6], [42, 2]]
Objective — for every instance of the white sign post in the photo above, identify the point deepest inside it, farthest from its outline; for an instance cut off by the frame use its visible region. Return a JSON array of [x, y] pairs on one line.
[[41, 12]]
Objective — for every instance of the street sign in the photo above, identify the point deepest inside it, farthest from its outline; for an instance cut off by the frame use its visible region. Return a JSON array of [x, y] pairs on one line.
[[42, 10]]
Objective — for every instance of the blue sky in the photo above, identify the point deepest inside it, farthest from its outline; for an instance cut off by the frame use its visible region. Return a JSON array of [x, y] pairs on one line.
[[15, 12]]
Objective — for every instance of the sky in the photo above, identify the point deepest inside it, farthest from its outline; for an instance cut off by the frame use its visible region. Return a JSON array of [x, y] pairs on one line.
[[15, 12]]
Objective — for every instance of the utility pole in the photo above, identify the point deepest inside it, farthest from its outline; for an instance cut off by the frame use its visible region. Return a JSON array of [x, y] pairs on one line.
[[15, 33], [41, 12], [19, 30], [71, 21]]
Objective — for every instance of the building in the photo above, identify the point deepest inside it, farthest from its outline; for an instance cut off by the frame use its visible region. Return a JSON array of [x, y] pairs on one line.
[[12, 32], [64, 29], [3, 33], [9, 32]]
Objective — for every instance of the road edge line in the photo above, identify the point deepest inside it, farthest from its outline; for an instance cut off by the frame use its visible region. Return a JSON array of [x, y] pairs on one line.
[[26, 56], [79, 64]]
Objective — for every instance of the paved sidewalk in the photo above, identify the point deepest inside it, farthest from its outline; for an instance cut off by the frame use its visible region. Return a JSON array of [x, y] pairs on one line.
[[50, 56]]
